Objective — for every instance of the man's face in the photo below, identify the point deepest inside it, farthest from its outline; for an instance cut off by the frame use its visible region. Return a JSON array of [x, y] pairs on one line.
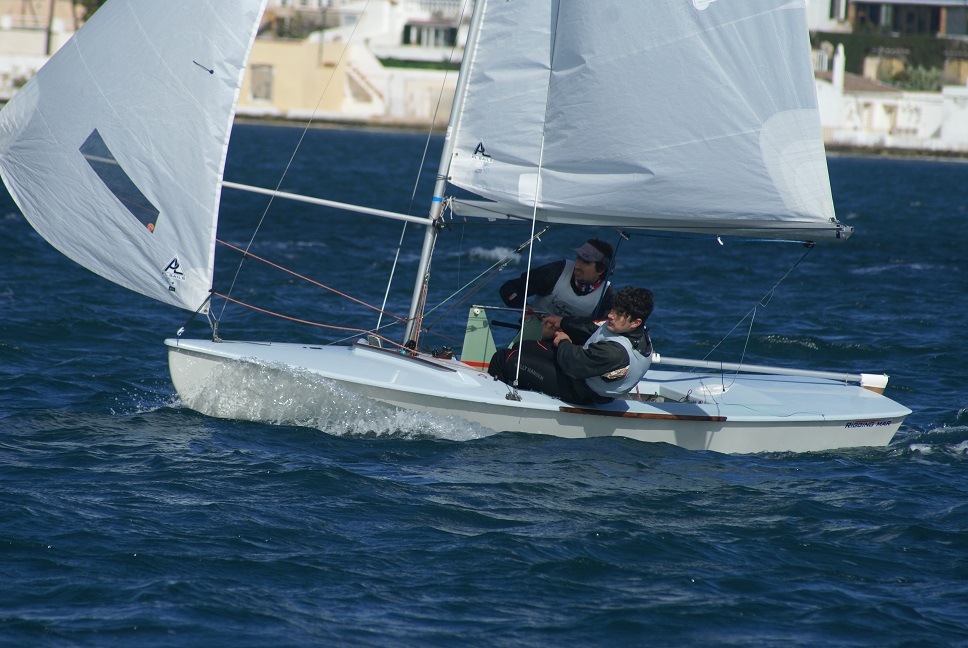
[[621, 322], [585, 271]]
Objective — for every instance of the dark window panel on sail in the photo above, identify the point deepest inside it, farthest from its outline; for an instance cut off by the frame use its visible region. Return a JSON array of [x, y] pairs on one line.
[[99, 156]]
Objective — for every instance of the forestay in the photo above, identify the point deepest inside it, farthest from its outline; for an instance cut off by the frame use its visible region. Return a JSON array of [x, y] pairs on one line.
[[132, 117], [689, 115]]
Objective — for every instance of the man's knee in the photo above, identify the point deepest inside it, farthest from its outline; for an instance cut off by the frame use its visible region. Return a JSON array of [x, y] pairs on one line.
[[499, 362]]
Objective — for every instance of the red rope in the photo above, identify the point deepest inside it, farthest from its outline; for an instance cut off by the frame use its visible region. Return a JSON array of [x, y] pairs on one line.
[[312, 281], [302, 321], [325, 287]]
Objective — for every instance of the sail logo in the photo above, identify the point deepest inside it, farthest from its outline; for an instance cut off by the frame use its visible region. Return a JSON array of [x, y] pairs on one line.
[[173, 272], [480, 153], [482, 157]]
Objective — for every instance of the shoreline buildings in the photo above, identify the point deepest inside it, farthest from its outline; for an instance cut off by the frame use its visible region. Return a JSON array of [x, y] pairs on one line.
[[394, 63]]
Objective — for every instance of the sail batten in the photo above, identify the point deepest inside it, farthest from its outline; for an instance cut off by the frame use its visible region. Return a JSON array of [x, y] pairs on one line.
[[647, 114]]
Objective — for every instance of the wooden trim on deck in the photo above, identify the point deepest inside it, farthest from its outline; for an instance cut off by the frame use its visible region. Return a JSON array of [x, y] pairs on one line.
[[642, 415]]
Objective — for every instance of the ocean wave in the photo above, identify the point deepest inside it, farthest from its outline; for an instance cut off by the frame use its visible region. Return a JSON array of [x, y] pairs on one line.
[[494, 254]]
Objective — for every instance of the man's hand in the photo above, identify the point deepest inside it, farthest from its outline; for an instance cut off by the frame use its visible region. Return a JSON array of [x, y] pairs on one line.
[[551, 324], [561, 335]]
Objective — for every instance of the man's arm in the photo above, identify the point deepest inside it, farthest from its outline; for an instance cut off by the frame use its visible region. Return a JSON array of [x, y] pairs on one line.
[[543, 280], [578, 329], [596, 360]]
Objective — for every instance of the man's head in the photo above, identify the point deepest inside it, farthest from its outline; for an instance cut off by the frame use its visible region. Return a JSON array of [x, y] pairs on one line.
[[592, 260], [632, 306]]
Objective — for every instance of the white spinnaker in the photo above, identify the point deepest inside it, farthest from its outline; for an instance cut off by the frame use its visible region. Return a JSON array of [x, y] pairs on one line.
[[666, 113], [132, 117]]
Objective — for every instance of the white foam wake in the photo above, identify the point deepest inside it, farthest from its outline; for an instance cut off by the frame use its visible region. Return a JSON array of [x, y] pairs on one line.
[[284, 396]]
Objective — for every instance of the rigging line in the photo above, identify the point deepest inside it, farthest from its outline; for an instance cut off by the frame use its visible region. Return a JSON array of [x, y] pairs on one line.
[[763, 301], [446, 338], [416, 183], [413, 194], [292, 157], [417, 302], [433, 120], [460, 254], [350, 337], [742, 357], [503, 262], [305, 278], [301, 321], [442, 336], [192, 317], [460, 301], [611, 267], [423, 159], [537, 194], [746, 344], [393, 270]]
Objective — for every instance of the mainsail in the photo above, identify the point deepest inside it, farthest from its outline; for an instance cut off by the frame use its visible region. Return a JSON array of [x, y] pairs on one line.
[[689, 115], [132, 118]]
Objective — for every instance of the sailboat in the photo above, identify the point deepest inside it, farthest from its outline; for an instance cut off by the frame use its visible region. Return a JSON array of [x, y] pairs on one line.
[[691, 116]]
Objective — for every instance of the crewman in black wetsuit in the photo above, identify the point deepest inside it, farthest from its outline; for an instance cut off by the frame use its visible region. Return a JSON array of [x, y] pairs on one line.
[[587, 362]]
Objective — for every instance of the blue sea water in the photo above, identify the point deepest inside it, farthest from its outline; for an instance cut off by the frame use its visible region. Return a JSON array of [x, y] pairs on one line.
[[126, 519]]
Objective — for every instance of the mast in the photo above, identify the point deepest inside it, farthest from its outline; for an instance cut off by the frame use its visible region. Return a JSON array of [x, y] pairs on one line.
[[437, 203]]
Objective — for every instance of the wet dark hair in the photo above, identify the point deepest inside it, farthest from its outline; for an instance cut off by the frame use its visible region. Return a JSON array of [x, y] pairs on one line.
[[605, 248], [637, 303]]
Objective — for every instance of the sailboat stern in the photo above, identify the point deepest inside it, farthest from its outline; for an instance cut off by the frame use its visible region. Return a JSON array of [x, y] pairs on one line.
[[877, 383]]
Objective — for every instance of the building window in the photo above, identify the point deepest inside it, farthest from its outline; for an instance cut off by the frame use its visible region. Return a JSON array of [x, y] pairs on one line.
[[837, 10], [262, 82], [899, 18], [429, 35], [956, 22]]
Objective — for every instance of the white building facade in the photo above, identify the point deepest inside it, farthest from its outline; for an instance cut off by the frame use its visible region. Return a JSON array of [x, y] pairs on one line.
[[345, 73]]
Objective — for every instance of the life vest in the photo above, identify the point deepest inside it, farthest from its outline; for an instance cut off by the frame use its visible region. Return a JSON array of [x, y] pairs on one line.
[[563, 301], [620, 381]]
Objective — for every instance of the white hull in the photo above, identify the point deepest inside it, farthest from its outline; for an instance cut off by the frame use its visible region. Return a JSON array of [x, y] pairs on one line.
[[756, 413]]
